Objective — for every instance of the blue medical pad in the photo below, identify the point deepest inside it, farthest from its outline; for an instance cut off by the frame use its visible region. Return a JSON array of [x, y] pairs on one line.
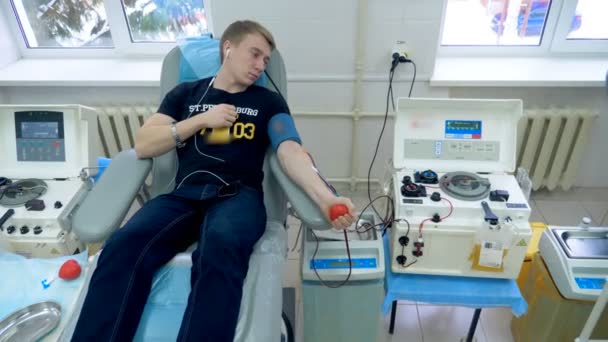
[[450, 290], [200, 58], [21, 282], [164, 310], [280, 128]]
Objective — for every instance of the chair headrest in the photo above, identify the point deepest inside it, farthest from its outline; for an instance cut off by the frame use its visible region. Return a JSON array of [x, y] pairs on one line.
[[200, 58]]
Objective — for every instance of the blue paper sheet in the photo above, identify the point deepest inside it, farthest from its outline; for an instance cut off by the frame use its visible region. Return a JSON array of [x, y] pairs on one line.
[[21, 282], [449, 290], [164, 310]]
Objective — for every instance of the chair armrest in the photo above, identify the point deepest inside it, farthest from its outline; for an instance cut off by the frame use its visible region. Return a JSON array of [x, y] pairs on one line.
[[307, 210], [106, 205]]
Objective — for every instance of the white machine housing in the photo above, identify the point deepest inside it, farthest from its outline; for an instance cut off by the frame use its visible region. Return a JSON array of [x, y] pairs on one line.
[[327, 286], [23, 158], [483, 143], [581, 278]]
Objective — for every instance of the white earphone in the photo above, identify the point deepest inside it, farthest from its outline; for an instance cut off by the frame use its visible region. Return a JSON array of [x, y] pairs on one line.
[[227, 52]]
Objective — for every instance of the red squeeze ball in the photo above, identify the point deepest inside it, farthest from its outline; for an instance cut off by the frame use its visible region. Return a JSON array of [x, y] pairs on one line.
[[337, 211], [69, 270]]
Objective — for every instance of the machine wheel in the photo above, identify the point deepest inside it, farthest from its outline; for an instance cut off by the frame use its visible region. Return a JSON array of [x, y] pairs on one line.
[[286, 329]]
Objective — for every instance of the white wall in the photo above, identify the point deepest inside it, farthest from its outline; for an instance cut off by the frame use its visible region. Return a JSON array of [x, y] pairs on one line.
[[91, 96], [319, 51], [9, 50]]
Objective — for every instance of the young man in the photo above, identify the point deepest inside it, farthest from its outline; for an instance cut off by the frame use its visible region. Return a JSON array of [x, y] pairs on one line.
[[222, 127]]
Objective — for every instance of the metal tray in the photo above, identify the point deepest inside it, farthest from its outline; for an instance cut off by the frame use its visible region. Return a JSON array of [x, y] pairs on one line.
[[30, 323]]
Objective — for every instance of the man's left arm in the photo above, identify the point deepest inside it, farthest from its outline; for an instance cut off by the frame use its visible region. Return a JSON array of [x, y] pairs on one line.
[[298, 166]]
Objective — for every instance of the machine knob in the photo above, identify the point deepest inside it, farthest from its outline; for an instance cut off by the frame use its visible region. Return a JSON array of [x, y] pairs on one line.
[[401, 259], [24, 230], [37, 230], [58, 205], [436, 218], [406, 180], [11, 229], [436, 197]]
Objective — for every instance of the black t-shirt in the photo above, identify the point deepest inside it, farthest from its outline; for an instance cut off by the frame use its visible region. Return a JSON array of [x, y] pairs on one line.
[[241, 156]]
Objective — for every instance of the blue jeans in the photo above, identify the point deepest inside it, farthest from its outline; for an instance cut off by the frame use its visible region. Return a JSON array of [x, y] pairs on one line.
[[225, 224]]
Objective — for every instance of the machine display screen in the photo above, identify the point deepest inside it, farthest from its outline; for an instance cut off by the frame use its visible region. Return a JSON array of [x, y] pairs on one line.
[[40, 130], [339, 264], [343, 263], [463, 129]]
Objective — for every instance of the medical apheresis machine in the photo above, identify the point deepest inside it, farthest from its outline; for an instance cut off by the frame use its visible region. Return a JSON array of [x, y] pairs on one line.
[[458, 207], [343, 285], [45, 153]]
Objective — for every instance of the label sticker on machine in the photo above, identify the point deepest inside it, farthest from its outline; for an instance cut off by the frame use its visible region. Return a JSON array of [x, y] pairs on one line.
[[462, 129], [490, 254], [590, 283], [342, 263]]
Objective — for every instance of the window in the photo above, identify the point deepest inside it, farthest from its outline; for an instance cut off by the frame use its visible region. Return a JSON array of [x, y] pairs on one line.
[[164, 21], [63, 23], [595, 25], [121, 27], [526, 26], [495, 22]]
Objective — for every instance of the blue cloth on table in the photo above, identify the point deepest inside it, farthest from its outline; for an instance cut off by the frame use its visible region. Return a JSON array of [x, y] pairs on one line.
[[21, 282], [450, 290]]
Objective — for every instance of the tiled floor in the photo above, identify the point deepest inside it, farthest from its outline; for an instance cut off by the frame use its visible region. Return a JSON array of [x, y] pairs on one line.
[[421, 322]]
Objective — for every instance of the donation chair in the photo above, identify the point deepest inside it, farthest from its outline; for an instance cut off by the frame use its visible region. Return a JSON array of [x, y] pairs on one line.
[[110, 199]]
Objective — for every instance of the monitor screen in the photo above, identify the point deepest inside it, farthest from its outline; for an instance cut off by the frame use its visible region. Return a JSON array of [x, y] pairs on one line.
[[40, 130]]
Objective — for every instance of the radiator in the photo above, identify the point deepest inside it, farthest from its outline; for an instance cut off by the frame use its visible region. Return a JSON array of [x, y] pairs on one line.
[[118, 126], [550, 144]]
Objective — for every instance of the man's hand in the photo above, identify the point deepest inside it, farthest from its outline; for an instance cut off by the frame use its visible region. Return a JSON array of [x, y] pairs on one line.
[[222, 115], [343, 221]]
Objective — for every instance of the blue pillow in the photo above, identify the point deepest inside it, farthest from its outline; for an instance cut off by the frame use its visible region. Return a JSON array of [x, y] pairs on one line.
[[200, 58]]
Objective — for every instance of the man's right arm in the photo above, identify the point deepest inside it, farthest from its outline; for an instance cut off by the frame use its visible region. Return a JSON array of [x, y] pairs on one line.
[[154, 138]]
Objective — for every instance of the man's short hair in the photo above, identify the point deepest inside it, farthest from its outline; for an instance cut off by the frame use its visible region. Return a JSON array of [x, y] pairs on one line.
[[237, 31]]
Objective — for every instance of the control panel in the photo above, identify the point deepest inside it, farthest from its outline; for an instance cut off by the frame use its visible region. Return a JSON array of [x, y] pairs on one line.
[[452, 149], [40, 136]]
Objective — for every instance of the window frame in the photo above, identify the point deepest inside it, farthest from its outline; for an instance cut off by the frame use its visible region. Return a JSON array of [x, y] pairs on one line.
[[564, 45], [553, 41], [121, 37], [123, 42]]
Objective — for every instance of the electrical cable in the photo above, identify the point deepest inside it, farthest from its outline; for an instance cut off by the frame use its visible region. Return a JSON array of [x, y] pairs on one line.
[[389, 96], [440, 219], [298, 237], [369, 171]]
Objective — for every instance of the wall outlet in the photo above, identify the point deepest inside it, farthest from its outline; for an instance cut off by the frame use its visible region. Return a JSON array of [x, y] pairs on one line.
[[402, 49]]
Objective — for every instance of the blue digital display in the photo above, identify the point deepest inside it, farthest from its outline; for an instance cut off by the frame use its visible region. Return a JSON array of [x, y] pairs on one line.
[[462, 129], [590, 283], [517, 205], [321, 264]]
